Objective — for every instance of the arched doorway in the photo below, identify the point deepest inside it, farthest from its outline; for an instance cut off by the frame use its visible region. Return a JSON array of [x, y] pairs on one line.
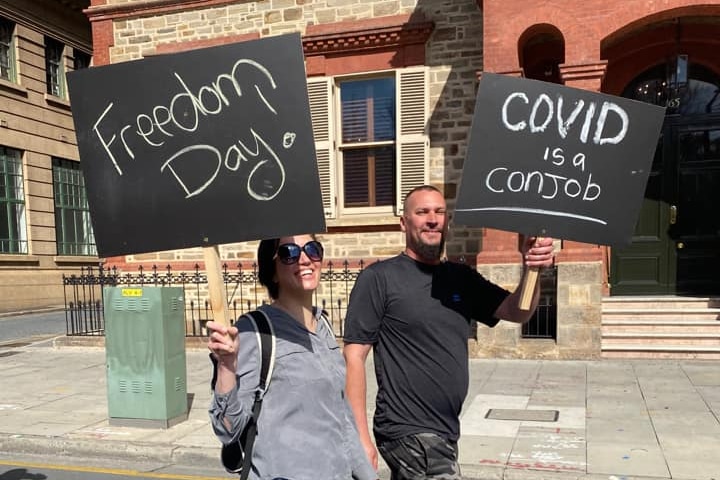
[[676, 245]]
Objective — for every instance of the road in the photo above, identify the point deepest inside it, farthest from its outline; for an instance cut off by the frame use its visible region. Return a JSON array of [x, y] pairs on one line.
[[31, 327], [49, 468]]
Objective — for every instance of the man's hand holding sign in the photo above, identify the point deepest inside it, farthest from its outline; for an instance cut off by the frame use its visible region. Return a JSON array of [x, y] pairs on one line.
[[552, 161]]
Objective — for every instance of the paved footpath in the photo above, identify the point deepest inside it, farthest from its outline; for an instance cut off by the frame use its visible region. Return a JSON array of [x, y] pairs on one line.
[[616, 420]]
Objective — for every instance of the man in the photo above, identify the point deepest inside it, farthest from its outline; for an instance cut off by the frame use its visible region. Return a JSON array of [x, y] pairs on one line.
[[415, 310]]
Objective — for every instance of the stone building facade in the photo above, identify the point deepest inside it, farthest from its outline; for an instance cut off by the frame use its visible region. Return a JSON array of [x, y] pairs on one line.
[[434, 52], [44, 224]]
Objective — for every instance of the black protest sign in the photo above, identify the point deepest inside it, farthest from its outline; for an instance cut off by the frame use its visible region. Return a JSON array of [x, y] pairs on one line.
[[545, 159], [198, 148]]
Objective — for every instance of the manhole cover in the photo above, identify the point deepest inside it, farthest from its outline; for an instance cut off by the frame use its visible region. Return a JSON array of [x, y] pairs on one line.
[[7, 354], [520, 415]]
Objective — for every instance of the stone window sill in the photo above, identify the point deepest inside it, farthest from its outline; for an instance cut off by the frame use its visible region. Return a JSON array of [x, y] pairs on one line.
[[13, 87], [64, 259], [57, 101], [7, 258]]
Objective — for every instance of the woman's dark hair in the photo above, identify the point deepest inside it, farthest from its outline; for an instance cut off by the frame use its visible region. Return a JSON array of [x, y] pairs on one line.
[[266, 265]]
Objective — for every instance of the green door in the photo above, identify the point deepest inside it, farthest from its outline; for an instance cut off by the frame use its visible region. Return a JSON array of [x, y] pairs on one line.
[[676, 245], [646, 266]]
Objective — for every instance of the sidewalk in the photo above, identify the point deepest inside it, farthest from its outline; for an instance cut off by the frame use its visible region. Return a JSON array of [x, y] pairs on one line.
[[616, 420]]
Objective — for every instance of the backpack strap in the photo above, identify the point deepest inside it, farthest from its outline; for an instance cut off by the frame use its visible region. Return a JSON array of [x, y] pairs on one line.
[[266, 342], [326, 320]]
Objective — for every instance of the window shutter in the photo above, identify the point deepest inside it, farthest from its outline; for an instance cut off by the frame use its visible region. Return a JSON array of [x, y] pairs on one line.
[[412, 166], [320, 90]]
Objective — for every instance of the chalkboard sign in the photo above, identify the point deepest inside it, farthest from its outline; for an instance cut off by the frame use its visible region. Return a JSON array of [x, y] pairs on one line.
[[545, 159], [198, 148]]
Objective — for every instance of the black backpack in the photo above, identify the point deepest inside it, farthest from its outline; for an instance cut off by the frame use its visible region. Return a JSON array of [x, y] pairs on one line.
[[236, 457]]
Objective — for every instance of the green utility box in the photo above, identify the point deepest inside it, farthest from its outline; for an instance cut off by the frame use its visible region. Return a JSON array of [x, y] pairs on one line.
[[145, 351]]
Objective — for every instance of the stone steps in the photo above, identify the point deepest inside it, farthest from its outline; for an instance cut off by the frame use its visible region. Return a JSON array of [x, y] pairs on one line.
[[665, 302], [661, 314], [659, 351], [662, 327], [622, 326], [660, 338]]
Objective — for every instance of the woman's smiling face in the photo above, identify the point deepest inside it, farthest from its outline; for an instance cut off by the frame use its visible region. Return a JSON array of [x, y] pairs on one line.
[[303, 275]]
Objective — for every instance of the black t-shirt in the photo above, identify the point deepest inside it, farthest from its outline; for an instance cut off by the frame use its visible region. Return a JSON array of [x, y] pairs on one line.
[[417, 317]]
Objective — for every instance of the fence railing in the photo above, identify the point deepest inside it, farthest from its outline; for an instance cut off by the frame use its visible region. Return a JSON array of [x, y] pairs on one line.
[[84, 312], [84, 293], [544, 323]]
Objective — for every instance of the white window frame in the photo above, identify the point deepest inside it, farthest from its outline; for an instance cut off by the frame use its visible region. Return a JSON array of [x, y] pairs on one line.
[[341, 148], [411, 138]]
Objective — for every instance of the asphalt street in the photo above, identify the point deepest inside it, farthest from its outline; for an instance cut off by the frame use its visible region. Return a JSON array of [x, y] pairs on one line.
[[32, 326]]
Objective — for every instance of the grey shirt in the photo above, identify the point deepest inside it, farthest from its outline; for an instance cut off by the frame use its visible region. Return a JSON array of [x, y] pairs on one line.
[[306, 430]]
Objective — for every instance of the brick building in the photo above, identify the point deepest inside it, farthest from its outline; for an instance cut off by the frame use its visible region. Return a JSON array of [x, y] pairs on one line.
[[658, 52], [427, 56]]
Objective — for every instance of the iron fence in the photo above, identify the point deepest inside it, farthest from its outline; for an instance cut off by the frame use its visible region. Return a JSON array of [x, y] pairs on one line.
[[544, 322], [84, 293], [84, 296]]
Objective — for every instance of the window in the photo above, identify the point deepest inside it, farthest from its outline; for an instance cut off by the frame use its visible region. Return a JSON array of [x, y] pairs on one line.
[[697, 94], [73, 229], [13, 229], [367, 124], [80, 59], [7, 47], [370, 139], [54, 67]]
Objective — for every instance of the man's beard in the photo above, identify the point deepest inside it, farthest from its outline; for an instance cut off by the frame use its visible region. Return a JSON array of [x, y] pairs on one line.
[[429, 251]]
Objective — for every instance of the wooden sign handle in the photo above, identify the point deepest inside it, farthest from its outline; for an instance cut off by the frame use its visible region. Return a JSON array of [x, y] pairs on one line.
[[216, 286], [528, 288]]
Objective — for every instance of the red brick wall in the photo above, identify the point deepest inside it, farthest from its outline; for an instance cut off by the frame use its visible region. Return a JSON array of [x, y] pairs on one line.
[[584, 25], [102, 33], [607, 44]]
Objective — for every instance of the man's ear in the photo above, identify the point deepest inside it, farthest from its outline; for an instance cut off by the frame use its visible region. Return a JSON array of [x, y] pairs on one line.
[[402, 223]]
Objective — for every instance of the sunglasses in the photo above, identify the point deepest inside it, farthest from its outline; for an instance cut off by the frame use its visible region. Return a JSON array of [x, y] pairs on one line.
[[289, 253]]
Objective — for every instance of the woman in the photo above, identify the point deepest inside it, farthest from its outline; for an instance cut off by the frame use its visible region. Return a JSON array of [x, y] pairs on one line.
[[305, 429]]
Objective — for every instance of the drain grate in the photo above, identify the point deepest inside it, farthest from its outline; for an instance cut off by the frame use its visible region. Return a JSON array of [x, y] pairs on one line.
[[520, 415], [8, 354]]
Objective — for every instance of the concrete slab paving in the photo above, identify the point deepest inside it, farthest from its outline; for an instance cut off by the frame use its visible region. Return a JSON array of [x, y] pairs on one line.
[[613, 458], [699, 375], [695, 465], [609, 407], [618, 419], [558, 396], [101, 431], [485, 450], [64, 405], [50, 429], [621, 430], [550, 448]]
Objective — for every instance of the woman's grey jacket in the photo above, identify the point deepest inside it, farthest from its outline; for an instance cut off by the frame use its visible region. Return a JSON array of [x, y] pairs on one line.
[[306, 429]]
